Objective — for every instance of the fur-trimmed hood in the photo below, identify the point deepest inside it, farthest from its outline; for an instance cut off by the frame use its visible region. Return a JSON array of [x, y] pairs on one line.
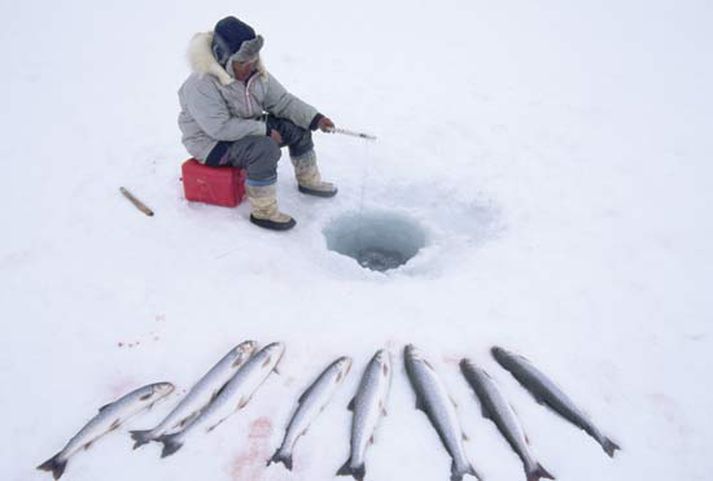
[[202, 61]]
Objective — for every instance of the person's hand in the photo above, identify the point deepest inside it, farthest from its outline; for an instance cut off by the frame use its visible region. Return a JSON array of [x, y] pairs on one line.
[[275, 135], [325, 124]]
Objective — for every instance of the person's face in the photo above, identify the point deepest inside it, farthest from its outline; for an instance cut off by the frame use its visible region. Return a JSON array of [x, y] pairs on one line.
[[243, 70]]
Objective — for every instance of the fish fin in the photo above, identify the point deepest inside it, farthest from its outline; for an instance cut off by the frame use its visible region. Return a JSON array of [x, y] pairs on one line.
[[115, 424], [277, 371], [105, 406], [243, 402], [484, 411], [382, 408], [346, 470], [610, 447], [184, 422], [171, 444], [88, 445], [279, 457], [420, 405], [371, 439], [212, 427], [351, 404], [54, 464], [465, 437], [141, 437], [538, 472], [455, 404]]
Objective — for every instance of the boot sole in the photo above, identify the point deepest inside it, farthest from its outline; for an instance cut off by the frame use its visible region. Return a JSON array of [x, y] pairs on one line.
[[272, 225], [317, 193]]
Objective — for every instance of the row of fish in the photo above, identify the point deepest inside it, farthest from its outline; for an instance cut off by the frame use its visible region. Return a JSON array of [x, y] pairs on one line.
[[433, 399], [225, 388], [229, 385]]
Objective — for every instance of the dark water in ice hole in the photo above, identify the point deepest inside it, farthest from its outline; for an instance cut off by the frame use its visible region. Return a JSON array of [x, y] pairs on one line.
[[379, 241]]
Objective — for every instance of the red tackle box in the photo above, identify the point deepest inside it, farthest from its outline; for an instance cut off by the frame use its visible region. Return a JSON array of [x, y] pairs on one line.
[[213, 185]]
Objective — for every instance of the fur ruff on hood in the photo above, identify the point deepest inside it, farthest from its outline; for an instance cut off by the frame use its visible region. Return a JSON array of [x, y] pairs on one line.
[[202, 61]]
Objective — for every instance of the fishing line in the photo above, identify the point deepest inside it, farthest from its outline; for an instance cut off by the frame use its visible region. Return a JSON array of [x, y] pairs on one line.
[[364, 179]]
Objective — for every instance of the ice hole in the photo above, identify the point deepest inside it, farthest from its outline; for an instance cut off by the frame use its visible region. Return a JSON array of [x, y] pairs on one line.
[[377, 240]]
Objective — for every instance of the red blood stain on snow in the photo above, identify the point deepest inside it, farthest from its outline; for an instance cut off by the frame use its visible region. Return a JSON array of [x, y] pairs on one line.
[[120, 387], [249, 465], [451, 359]]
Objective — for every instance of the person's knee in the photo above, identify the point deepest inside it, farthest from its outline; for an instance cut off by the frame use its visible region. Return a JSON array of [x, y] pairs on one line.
[[267, 148], [263, 161]]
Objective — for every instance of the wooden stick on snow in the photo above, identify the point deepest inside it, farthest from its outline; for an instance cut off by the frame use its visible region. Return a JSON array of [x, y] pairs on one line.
[[139, 205]]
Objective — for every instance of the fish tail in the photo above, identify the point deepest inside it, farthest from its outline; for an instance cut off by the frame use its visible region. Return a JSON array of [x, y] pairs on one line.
[[539, 472], [610, 447], [280, 457], [171, 444], [357, 472], [458, 473], [141, 437], [54, 464]]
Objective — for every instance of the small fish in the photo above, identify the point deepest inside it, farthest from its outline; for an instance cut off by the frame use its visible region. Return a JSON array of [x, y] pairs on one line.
[[200, 395], [234, 396], [546, 392], [433, 399], [368, 406], [497, 409], [309, 405], [110, 417]]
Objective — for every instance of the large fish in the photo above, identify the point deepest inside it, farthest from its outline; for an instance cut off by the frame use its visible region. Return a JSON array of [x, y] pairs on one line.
[[433, 399], [234, 395], [200, 394], [497, 409], [110, 417], [309, 405], [368, 406], [546, 392]]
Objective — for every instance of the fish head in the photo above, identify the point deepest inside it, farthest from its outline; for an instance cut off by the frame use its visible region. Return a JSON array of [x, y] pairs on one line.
[[274, 351], [243, 351], [161, 389], [413, 353], [468, 367], [499, 354], [466, 364], [343, 365], [382, 359]]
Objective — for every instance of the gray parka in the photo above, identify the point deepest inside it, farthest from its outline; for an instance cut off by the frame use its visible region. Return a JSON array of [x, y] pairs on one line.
[[217, 107]]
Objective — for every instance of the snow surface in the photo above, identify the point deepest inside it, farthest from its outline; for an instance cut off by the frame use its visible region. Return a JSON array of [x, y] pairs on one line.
[[558, 155]]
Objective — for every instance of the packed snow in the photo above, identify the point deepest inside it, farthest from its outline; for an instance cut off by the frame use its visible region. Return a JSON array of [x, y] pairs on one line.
[[557, 157]]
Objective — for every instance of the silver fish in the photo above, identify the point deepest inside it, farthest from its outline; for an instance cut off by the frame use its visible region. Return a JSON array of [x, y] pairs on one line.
[[309, 405], [200, 395], [368, 406], [546, 392], [109, 418], [234, 396], [497, 409], [433, 399]]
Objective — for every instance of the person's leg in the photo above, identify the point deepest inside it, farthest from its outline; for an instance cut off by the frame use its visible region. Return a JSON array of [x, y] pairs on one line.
[[258, 155], [303, 157]]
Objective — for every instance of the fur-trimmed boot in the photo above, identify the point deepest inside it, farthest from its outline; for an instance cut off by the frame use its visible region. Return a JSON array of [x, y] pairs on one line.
[[308, 179], [265, 213]]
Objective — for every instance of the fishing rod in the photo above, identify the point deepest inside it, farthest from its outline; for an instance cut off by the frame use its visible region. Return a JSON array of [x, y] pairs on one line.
[[362, 135]]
